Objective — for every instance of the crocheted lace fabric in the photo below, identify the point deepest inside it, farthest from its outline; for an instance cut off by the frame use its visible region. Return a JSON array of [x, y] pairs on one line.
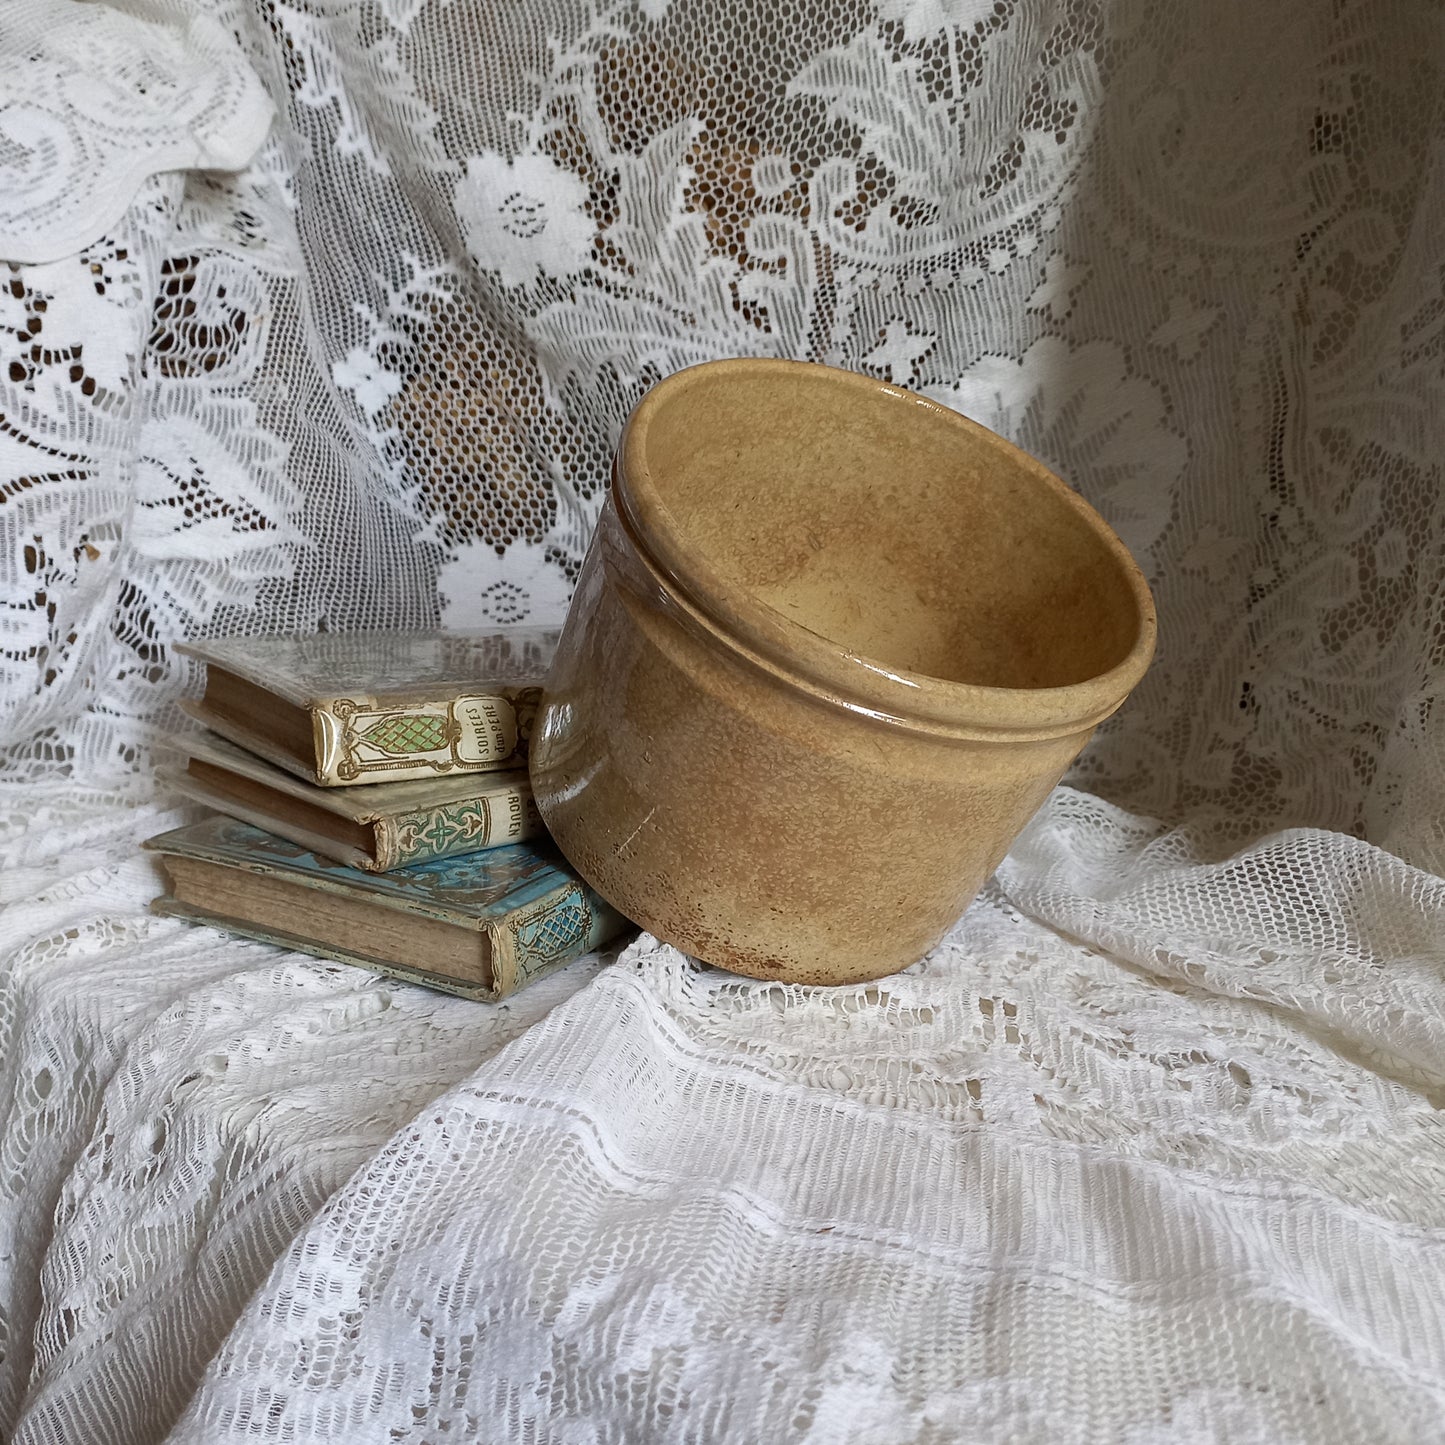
[[1150, 1148]]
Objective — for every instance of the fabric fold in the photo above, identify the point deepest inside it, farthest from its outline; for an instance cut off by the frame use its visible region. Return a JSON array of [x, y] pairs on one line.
[[93, 99]]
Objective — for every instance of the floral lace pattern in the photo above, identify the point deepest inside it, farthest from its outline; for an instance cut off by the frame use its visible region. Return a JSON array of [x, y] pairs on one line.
[[1081, 1175], [399, 346], [1149, 1148], [96, 98]]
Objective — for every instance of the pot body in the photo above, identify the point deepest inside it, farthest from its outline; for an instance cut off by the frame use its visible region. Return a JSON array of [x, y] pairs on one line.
[[759, 794], [755, 826]]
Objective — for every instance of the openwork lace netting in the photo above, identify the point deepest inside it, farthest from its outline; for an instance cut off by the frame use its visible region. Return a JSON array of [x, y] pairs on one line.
[[1149, 1149]]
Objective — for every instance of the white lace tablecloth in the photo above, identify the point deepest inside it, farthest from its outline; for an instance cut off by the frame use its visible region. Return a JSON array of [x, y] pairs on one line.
[[1149, 1150], [1084, 1174]]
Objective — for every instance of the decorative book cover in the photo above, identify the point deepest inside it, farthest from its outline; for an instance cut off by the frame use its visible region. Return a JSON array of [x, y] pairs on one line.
[[527, 913], [377, 826], [345, 708]]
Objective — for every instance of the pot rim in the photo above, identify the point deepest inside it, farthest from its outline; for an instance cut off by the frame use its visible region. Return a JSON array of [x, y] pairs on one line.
[[808, 659]]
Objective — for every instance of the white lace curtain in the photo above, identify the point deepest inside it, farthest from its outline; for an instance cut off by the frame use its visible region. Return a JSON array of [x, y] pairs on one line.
[[1188, 255], [1150, 1148]]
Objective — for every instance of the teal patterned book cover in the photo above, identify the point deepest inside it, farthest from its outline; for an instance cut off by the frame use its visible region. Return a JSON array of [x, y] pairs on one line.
[[529, 911]]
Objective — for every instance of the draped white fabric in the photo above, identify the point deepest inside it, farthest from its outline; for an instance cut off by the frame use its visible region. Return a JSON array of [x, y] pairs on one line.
[[1150, 1148]]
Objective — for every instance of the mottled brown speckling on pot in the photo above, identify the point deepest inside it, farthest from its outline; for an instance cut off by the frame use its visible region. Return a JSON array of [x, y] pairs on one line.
[[832, 646]]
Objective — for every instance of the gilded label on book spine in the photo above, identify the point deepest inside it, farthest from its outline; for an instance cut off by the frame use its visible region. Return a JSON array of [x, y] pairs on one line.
[[457, 828], [543, 940], [537, 940], [439, 832], [486, 729], [359, 742]]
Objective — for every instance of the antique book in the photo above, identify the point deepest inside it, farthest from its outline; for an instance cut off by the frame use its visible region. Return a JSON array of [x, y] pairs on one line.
[[345, 708], [480, 926], [376, 827]]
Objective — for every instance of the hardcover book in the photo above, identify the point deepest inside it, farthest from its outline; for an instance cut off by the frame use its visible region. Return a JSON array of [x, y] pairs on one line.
[[347, 708], [375, 827], [481, 926]]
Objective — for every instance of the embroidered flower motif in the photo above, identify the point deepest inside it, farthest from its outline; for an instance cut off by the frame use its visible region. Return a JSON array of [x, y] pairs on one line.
[[477, 588], [1053, 297], [900, 351], [89, 323], [927, 17], [365, 377], [524, 218]]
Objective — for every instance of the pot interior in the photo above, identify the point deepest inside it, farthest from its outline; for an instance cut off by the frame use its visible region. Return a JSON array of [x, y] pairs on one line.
[[894, 529]]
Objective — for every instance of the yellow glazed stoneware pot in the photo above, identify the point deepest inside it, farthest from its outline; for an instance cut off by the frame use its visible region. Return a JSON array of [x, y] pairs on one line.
[[832, 646]]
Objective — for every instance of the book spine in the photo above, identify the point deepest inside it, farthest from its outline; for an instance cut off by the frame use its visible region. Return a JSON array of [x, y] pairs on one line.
[[544, 937], [190, 787], [361, 740], [506, 815]]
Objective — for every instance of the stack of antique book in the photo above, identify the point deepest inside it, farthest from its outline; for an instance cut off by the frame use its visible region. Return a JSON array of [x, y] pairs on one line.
[[372, 805]]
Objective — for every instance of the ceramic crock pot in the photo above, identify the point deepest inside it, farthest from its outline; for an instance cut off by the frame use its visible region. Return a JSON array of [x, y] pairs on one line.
[[831, 647]]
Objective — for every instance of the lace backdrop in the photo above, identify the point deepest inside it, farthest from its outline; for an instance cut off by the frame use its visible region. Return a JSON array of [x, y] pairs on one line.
[[1187, 255], [1149, 1149]]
